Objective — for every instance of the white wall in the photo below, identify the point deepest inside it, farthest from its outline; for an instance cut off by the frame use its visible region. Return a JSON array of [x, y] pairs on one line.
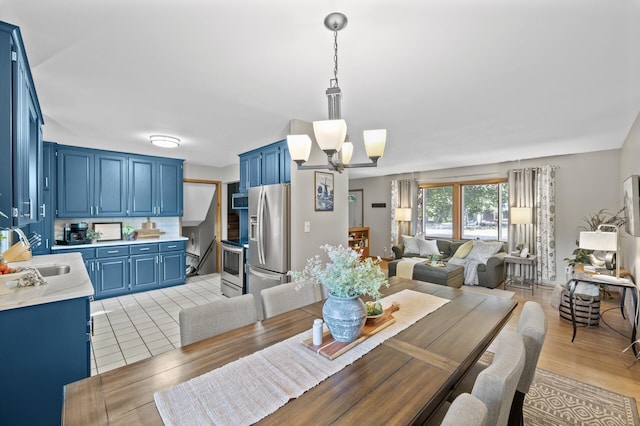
[[585, 183], [325, 227]]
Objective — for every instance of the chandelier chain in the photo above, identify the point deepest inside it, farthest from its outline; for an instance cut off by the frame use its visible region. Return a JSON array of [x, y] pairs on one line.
[[335, 57]]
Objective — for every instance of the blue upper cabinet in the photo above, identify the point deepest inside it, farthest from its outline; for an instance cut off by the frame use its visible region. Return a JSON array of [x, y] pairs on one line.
[[20, 134], [91, 183], [97, 183], [46, 212], [155, 186], [268, 165]]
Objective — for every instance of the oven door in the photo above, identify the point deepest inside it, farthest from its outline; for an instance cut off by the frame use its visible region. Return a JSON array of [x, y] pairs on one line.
[[233, 265]]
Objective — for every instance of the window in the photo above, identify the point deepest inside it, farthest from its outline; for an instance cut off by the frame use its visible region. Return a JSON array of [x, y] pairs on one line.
[[466, 210]]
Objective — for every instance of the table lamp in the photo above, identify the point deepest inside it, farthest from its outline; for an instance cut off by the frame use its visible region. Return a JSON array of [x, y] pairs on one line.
[[602, 241], [520, 216]]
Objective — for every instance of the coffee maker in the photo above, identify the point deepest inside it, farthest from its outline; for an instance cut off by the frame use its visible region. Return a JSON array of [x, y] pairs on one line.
[[74, 233]]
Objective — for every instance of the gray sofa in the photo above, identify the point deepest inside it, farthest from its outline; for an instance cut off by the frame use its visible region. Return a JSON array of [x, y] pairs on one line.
[[490, 274]]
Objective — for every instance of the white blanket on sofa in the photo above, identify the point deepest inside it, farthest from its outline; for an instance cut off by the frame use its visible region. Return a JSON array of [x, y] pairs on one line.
[[470, 269]]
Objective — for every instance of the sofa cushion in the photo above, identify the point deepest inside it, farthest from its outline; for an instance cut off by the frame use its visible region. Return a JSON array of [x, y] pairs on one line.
[[410, 245], [483, 250], [427, 247], [463, 250]]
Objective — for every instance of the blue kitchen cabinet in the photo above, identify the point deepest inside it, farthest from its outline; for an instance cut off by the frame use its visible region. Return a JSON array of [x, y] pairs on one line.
[[44, 227], [155, 187], [92, 183], [145, 270], [45, 347], [270, 165], [244, 174], [112, 271], [285, 162], [255, 169], [20, 134], [172, 263]]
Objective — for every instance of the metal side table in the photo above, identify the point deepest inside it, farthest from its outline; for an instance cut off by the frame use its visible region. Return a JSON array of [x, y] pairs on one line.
[[529, 262]]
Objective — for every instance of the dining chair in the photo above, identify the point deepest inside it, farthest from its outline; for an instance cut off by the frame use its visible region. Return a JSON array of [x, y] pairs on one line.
[[532, 326], [496, 385], [208, 320], [289, 296], [466, 410]]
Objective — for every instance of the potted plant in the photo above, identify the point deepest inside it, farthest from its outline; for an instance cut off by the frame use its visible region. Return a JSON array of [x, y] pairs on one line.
[[434, 259], [347, 277], [93, 235], [129, 232]]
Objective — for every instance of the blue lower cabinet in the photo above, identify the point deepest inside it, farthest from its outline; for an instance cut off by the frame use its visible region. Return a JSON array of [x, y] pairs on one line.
[[172, 268], [112, 276], [144, 272], [44, 348]]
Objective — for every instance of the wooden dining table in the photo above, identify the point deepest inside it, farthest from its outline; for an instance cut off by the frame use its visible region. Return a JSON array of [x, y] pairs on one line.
[[402, 381]]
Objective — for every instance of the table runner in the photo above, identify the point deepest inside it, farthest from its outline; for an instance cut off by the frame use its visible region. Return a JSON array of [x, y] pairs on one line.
[[250, 388]]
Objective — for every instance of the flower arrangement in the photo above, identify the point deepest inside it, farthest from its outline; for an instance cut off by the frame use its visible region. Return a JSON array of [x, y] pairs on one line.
[[93, 235], [347, 275]]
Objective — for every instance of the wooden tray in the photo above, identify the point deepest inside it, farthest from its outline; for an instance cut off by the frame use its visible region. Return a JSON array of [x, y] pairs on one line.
[[329, 348]]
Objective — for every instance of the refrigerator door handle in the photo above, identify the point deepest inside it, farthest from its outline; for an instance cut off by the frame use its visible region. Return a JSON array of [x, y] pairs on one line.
[[261, 203], [272, 277]]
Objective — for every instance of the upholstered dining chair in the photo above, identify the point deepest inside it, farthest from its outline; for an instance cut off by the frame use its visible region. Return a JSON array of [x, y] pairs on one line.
[[466, 410], [496, 385], [208, 320], [532, 326], [286, 297]]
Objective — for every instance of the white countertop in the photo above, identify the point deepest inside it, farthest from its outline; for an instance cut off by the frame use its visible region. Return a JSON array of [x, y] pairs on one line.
[[59, 287], [118, 243]]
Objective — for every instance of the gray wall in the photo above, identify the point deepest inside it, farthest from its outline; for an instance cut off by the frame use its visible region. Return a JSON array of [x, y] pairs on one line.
[[585, 183]]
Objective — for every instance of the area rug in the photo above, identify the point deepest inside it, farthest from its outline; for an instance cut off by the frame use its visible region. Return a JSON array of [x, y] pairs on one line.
[[556, 400]]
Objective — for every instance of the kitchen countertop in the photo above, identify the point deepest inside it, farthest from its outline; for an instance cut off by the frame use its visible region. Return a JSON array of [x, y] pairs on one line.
[[59, 287], [118, 243]]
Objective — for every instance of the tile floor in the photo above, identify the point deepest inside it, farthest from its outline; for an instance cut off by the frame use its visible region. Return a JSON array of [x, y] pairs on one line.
[[134, 327]]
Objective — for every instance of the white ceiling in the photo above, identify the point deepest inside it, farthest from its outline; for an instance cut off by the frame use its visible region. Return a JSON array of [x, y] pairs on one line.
[[455, 82]]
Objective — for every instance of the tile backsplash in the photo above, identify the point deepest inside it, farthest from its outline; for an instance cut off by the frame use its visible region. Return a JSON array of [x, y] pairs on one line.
[[169, 225]]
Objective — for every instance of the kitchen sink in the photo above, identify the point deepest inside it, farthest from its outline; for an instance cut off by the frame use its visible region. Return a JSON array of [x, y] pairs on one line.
[[49, 271]]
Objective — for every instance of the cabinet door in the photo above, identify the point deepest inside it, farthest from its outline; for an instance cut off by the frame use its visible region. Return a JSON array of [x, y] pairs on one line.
[[271, 165], [112, 276], [75, 183], [144, 272], [169, 201], [285, 163], [142, 186], [255, 169], [172, 268], [110, 185], [244, 173], [44, 228]]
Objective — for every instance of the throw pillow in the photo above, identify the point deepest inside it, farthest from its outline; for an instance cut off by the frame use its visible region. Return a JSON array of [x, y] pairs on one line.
[[410, 245], [427, 247], [464, 250], [483, 250]]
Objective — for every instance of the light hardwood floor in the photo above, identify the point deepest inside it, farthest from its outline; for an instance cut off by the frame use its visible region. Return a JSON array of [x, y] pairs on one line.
[[595, 355]]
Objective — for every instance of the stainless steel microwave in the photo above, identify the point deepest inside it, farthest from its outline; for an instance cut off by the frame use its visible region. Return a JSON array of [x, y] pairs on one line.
[[240, 200]]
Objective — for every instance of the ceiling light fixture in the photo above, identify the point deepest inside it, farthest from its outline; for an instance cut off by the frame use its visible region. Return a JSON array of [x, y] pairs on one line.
[[330, 134], [164, 141]]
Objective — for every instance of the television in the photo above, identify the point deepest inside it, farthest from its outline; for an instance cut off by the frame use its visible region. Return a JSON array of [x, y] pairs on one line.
[[631, 196]]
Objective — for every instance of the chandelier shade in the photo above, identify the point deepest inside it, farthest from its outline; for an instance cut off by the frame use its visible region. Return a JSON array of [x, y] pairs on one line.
[[330, 134]]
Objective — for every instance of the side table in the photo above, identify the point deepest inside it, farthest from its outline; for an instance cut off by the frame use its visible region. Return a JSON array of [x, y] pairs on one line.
[[599, 279], [531, 275]]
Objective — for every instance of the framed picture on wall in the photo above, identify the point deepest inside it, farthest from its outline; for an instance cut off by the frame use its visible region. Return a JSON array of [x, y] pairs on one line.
[[323, 192], [631, 196]]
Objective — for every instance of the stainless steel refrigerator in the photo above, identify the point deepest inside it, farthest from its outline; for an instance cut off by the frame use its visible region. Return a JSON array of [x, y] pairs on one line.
[[269, 239]]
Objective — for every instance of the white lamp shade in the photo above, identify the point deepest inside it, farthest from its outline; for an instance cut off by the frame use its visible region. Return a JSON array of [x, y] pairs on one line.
[[164, 141], [598, 240], [403, 214], [299, 147], [330, 134], [347, 152], [374, 142], [520, 215]]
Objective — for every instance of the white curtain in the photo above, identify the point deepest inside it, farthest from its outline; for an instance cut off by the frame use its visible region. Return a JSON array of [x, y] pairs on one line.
[[402, 195], [535, 188]]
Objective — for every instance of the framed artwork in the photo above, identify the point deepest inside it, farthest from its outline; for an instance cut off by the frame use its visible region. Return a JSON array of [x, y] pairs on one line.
[[324, 192], [631, 196], [111, 231]]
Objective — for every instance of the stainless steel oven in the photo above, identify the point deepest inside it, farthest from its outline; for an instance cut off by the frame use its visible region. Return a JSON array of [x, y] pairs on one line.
[[232, 281]]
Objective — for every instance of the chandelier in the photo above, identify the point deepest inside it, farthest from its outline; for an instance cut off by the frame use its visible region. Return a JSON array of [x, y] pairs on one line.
[[331, 134]]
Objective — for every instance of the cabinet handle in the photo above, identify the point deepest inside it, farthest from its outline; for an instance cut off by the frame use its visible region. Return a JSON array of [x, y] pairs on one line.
[[112, 251], [91, 211], [144, 249], [43, 210], [172, 246], [97, 210]]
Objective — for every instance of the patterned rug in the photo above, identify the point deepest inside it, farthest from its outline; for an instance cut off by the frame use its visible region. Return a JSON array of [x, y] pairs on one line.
[[556, 400]]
